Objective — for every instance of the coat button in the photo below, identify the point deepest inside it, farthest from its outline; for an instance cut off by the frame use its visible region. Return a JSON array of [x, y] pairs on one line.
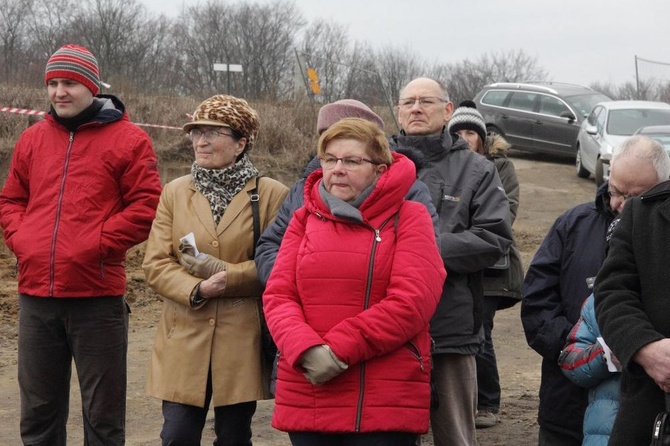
[[215, 243], [211, 322]]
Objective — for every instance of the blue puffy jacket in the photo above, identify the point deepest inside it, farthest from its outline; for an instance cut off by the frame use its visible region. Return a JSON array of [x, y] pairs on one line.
[[583, 362]]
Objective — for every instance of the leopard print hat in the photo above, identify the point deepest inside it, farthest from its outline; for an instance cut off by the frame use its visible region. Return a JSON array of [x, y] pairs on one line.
[[227, 111]]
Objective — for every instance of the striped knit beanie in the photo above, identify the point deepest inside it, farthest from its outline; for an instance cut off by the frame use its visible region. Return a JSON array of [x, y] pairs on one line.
[[77, 63], [466, 117]]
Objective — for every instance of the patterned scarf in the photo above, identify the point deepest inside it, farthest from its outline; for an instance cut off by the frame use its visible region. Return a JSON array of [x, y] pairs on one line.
[[219, 186]]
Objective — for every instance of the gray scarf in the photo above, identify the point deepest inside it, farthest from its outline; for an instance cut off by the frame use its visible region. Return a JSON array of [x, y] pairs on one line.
[[344, 209]]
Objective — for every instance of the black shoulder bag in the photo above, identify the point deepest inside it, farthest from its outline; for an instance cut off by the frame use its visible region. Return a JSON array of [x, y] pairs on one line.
[[268, 346], [660, 436]]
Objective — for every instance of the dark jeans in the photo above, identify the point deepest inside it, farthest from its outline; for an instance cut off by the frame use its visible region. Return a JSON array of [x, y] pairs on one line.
[[360, 439], [183, 424], [555, 438], [488, 381], [53, 331]]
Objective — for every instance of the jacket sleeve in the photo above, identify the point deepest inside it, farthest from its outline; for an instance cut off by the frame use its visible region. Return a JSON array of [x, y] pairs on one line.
[[281, 302], [489, 234], [510, 183], [619, 309], [415, 288], [15, 194], [268, 243], [582, 359], [419, 192], [542, 315], [161, 267], [140, 188]]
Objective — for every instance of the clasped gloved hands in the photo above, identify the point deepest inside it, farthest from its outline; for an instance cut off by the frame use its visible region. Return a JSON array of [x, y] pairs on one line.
[[321, 364], [203, 265]]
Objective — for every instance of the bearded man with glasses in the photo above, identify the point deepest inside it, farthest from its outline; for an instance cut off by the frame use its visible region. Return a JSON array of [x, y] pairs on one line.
[[474, 232]]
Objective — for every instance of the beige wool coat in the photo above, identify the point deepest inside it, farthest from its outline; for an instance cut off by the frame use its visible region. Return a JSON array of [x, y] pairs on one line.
[[225, 331]]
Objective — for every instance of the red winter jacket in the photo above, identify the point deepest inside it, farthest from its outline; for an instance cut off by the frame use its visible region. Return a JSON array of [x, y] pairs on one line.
[[369, 297], [74, 202]]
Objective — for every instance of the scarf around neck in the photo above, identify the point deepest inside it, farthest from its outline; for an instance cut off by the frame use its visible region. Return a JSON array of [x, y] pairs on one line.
[[219, 186], [341, 208]]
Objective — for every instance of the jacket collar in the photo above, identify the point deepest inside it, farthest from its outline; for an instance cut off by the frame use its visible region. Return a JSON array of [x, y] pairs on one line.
[[433, 147], [204, 213]]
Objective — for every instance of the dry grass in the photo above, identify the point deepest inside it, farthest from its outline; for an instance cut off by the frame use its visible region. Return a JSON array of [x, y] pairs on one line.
[[286, 140]]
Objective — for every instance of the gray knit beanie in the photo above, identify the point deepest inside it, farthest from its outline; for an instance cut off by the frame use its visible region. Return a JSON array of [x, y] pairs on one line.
[[329, 114], [466, 117]]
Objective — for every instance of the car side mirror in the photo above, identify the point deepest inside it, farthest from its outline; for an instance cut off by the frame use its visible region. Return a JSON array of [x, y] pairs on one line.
[[568, 114], [591, 129]]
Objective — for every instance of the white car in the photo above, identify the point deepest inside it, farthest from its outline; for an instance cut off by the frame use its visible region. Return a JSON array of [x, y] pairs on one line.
[[608, 124]]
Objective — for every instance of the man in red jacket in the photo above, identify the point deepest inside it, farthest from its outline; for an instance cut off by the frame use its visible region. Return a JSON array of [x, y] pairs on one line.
[[82, 188]]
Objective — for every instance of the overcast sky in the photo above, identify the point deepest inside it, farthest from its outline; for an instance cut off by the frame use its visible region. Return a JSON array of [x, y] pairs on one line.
[[573, 40]]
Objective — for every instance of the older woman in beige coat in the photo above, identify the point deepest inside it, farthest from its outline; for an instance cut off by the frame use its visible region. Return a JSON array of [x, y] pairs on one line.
[[208, 341]]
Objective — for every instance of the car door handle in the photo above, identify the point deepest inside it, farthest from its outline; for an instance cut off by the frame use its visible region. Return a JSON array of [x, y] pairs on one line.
[[504, 116], [538, 122]]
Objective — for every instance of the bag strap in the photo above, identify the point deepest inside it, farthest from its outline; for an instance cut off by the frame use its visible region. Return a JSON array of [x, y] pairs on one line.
[[254, 197]]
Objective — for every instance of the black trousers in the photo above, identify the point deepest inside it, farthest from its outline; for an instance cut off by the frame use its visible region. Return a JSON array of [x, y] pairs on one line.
[[183, 424], [54, 331], [361, 439], [488, 380]]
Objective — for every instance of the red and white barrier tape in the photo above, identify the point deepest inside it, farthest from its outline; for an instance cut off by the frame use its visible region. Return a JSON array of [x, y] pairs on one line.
[[23, 111]]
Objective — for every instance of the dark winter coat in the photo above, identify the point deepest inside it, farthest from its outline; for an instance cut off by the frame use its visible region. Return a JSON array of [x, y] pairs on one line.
[[553, 292], [474, 230], [631, 297], [505, 284]]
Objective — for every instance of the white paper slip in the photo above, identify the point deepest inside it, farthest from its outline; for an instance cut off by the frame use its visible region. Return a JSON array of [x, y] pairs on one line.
[[608, 356], [189, 239]]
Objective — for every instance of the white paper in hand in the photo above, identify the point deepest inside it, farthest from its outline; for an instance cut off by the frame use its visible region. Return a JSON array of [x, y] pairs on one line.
[[608, 356], [189, 239]]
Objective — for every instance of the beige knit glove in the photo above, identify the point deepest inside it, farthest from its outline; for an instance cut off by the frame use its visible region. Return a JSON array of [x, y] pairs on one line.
[[204, 266], [321, 364]]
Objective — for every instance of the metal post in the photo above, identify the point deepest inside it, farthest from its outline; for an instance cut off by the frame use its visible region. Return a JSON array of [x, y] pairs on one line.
[[637, 80]]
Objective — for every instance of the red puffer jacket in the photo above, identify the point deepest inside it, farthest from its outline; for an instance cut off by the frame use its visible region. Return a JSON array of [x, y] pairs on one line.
[[368, 290], [74, 202]]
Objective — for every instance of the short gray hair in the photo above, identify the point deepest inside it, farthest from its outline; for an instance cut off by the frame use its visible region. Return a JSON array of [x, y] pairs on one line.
[[643, 147], [442, 85]]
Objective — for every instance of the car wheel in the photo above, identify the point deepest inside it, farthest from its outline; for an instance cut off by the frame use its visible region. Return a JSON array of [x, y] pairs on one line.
[[581, 172], [599, 173]]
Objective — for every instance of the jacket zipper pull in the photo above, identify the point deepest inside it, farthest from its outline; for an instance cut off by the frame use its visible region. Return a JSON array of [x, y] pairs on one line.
[[377, 237]]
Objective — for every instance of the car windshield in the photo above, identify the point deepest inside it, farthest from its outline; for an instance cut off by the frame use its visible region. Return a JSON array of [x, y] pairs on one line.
[[584, 103], [663, 138], [625, 122]]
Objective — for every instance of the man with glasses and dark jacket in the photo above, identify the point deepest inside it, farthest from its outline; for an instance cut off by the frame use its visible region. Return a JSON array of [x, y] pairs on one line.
[[474, 231]]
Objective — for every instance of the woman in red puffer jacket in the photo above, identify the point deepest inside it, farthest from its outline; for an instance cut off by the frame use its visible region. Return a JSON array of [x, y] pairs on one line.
[[355, 284]]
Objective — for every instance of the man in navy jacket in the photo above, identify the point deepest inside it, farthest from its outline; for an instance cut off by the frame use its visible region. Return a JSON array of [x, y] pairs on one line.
[[555, 287]]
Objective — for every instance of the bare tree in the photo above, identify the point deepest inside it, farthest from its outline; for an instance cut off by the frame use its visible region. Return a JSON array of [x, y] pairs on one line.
[[326, 47], [112, 30], [263, 38], [51, 25], [13, 26], [397, 68], [466, 78]]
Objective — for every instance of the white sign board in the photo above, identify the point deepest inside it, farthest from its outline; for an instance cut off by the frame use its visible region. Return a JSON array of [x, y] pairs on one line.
[[227, 67]]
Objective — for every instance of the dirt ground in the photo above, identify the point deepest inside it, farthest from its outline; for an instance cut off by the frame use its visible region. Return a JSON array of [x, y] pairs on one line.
[[549, 186]]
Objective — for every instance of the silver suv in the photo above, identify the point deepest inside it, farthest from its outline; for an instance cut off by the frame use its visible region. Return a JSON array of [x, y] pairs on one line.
[[537, 116]]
